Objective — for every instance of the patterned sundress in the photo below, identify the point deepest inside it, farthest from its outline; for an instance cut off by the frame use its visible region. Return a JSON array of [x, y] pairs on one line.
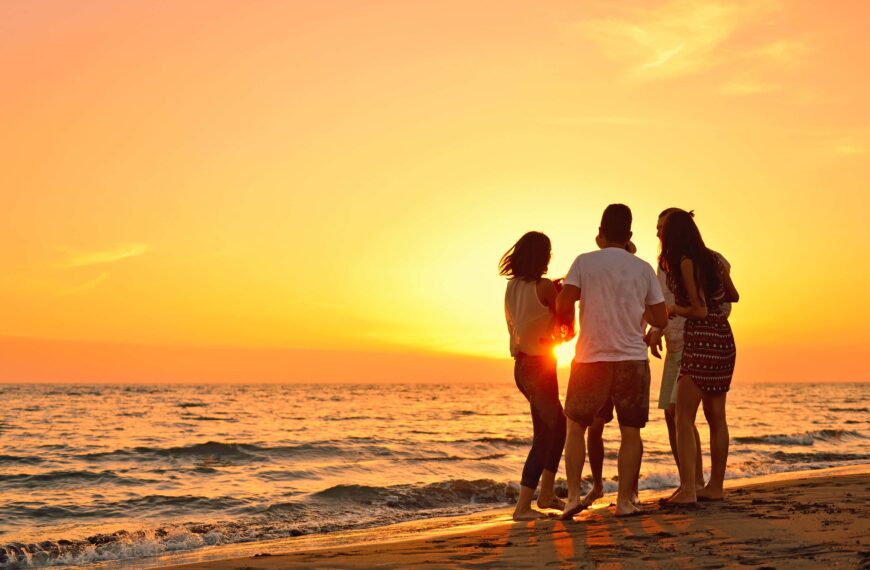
[[709, 351]]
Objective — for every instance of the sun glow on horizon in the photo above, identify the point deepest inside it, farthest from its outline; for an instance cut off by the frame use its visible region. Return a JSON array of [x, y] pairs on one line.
[[292, 176]]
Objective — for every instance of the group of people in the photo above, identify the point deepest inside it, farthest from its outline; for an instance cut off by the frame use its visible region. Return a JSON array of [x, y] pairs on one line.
[[626, 308]]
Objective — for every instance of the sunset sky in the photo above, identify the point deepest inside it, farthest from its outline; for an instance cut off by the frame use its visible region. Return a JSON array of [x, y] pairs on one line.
[[247, 191]]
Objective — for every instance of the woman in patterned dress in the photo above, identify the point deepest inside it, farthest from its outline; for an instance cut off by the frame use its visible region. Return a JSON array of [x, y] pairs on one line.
[[701, 287]]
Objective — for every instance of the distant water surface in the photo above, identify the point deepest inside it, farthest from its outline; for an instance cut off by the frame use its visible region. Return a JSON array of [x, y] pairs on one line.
[[91, 473]]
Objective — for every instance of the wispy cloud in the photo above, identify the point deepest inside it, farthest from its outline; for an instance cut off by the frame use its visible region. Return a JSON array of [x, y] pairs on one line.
[[605, 120], [682, 37], [117, 253], [783, 52], [748, 87], [87, 286], [850, 149]]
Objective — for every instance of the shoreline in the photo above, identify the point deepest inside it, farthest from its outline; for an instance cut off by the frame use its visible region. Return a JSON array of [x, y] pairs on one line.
[[478, 537]]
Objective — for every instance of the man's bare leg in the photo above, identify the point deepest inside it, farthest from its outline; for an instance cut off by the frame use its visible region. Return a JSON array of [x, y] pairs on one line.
[[575, 457], [635, 496], [630, 452], [524, 510], [595, 446], [547, 498]]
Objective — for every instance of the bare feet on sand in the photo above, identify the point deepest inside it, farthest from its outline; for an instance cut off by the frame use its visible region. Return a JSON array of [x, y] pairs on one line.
[[528, 515], [677, 490], [596, 493], [551, 503], [684, 497], [710, 494], [627, 509], [572, 508]]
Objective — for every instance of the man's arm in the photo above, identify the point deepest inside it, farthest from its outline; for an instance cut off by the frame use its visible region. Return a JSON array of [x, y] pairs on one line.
[[657, 315], [731, 294], [653, 339], [565, 302]]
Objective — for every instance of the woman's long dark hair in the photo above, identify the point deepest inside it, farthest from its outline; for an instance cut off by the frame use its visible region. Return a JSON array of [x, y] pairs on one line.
[[527, 259], [682, 239]]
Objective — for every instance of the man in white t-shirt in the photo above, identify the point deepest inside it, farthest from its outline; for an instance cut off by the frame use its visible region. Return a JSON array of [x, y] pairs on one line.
[[617, 293]]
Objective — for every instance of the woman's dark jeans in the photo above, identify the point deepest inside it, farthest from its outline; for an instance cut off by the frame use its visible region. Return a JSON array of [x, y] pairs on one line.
[[536, 378]]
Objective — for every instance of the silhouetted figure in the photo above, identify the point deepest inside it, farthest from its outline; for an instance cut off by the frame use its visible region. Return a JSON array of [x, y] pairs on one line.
[[617, 292], [530, 305], [673, 340], [702, 286]]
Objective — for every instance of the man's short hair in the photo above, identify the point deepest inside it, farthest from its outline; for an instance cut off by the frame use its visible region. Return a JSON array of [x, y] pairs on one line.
[[616, 223]]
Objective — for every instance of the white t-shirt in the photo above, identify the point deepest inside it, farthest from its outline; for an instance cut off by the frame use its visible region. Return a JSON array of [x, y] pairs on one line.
[[615, 288]]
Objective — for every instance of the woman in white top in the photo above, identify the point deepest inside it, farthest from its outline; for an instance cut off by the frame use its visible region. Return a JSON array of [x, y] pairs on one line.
[[530, 304]]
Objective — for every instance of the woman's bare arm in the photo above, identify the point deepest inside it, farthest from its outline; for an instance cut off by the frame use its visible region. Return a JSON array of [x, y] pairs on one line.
[[547, 293], [697, 308]]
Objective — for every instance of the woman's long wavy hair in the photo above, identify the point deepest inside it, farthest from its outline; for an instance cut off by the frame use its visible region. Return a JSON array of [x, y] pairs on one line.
[[681, 238], [527, 259]]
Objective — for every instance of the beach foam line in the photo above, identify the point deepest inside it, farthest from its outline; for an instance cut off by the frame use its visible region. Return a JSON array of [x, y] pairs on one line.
[[804, 439], [811, 521], [429, 528], [230, 451]]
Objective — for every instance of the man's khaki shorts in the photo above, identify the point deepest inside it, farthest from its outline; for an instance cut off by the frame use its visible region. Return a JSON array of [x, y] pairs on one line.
[[625, 383]]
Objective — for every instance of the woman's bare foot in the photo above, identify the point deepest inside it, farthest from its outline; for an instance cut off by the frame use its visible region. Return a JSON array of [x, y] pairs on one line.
[[710, 494], [572, 508], [635, 500], [595, 493], [683, 497], [551, 503], [626, 509], [677, 490], [528, 515]]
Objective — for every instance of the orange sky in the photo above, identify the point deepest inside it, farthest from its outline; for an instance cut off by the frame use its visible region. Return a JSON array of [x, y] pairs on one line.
[[190, 187]]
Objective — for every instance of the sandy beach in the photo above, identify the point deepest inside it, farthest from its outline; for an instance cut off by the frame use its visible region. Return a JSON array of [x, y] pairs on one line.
[[794, 520]]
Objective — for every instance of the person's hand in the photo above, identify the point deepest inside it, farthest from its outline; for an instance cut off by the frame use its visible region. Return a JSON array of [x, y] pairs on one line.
[[653, 339], [566, 333], [672, 310]]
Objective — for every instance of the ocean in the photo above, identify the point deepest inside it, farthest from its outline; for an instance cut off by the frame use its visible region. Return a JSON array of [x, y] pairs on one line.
[[125, 472]]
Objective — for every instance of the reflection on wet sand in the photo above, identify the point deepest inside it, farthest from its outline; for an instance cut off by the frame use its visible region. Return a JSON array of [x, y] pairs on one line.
[[822, 519]]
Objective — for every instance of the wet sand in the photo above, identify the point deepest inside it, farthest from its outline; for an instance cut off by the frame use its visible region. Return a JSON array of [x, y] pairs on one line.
[[807, 520]]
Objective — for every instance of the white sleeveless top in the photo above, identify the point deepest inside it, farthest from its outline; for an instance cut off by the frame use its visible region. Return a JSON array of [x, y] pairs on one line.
[[530, 323]]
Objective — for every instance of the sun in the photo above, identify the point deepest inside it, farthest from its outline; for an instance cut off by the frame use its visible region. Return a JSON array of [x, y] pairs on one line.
[[564, 352]]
